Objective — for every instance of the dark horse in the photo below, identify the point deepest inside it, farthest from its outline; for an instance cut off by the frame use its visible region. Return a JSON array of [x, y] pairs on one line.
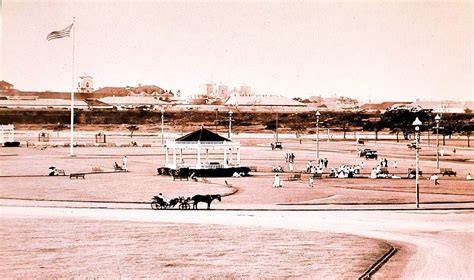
[[205, 198]]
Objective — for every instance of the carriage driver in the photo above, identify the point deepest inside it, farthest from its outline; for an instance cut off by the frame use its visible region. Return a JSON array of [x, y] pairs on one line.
[[160, 195]]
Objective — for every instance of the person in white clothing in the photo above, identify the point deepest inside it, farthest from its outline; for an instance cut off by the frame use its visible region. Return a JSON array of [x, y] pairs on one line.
[[125, 163], [277, 182]]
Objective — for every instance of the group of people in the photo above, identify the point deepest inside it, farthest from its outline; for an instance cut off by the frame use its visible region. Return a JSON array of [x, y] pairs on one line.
[[290, 157], [344, 171], [124, 165], [311, 168]]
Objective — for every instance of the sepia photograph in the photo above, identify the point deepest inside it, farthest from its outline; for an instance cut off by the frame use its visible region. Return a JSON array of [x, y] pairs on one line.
[[236, 139]]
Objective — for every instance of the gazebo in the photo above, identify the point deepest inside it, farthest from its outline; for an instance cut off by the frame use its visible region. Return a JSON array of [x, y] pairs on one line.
[[211, 155]]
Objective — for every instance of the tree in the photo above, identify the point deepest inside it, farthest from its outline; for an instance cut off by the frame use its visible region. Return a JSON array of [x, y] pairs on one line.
[[298, 126], [401, 120], [132, 128]]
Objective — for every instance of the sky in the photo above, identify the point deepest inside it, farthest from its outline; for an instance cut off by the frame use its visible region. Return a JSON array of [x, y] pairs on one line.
[[377, 50]]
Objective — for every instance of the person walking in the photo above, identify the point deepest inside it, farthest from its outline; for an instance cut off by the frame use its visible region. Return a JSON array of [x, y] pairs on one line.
[[468, 177], [395, 164], [311, 181]]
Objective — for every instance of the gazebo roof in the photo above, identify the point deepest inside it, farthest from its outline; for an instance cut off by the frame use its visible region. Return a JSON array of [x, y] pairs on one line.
[[203, 135]]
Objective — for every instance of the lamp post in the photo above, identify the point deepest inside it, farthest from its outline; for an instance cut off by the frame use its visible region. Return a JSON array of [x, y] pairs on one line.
[[216, 118], [230, 124], [162, 122], [417, 124], [437, 119], [317, 133], [276, 128]]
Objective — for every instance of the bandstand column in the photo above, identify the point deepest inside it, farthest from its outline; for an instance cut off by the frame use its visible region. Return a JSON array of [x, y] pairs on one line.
[[238, 157], [225, 156], [174, 157], [198, 164]]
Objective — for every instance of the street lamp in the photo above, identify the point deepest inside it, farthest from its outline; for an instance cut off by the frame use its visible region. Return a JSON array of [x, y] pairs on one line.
[[230, 123], [317, 132], [417, 124], [216, 109], [162, 122], [437, 119]]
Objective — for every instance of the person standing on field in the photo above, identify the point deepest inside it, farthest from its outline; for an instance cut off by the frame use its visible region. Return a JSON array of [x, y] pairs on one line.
[[125, 163]]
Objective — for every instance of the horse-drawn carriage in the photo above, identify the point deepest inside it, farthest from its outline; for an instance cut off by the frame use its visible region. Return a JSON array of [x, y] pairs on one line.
[[182, 202], [160, 203]]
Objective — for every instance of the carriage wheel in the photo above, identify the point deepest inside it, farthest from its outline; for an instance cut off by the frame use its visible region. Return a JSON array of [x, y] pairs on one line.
[[155, 206], [186, 206]]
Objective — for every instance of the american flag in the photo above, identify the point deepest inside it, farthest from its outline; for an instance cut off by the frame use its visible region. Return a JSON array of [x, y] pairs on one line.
[[66, 32]]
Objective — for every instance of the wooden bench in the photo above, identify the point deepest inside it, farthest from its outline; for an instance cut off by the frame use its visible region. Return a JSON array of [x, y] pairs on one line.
[[180, 177], [96, 169], [146, 145], [77, 175], [412, 173], [61, 172], [317, 175], [253, 168], [447, 171], [294, 177], [119, 168]]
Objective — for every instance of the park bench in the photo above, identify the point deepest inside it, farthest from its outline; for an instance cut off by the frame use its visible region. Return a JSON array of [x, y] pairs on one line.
[[294, 177], [96, 169], [77, 175], [447, 171], [180, 177], [384, 170], [253, 168], [61, 172], [317, 175], [119, 168], [412, 173], [146, 145]]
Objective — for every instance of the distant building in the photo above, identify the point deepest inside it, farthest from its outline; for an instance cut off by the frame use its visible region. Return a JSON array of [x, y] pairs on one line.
[[133, 101], [441, 106], [42, 104], [5, 85], [245, 91], [223, 91], [85, 84], [270, 100], [384, 106]]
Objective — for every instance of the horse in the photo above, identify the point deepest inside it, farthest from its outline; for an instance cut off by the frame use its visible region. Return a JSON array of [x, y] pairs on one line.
[[205, 198]]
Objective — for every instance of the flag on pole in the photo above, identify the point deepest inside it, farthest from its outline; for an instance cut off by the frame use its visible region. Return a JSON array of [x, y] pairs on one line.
[[66, 32]]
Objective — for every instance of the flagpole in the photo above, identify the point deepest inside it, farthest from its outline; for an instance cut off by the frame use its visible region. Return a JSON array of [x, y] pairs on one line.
[[72, 91]]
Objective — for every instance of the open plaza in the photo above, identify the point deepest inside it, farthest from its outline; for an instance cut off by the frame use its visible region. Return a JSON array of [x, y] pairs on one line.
[[102, 224]]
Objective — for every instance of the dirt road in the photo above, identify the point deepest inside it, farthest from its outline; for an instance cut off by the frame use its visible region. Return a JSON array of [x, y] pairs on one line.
[[440, 242]]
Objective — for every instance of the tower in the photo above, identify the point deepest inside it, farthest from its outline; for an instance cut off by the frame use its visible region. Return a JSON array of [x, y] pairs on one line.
[[85, 84]]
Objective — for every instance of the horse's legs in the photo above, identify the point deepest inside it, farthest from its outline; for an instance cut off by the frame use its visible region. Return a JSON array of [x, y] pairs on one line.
[[195, 205], [208, 205]]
